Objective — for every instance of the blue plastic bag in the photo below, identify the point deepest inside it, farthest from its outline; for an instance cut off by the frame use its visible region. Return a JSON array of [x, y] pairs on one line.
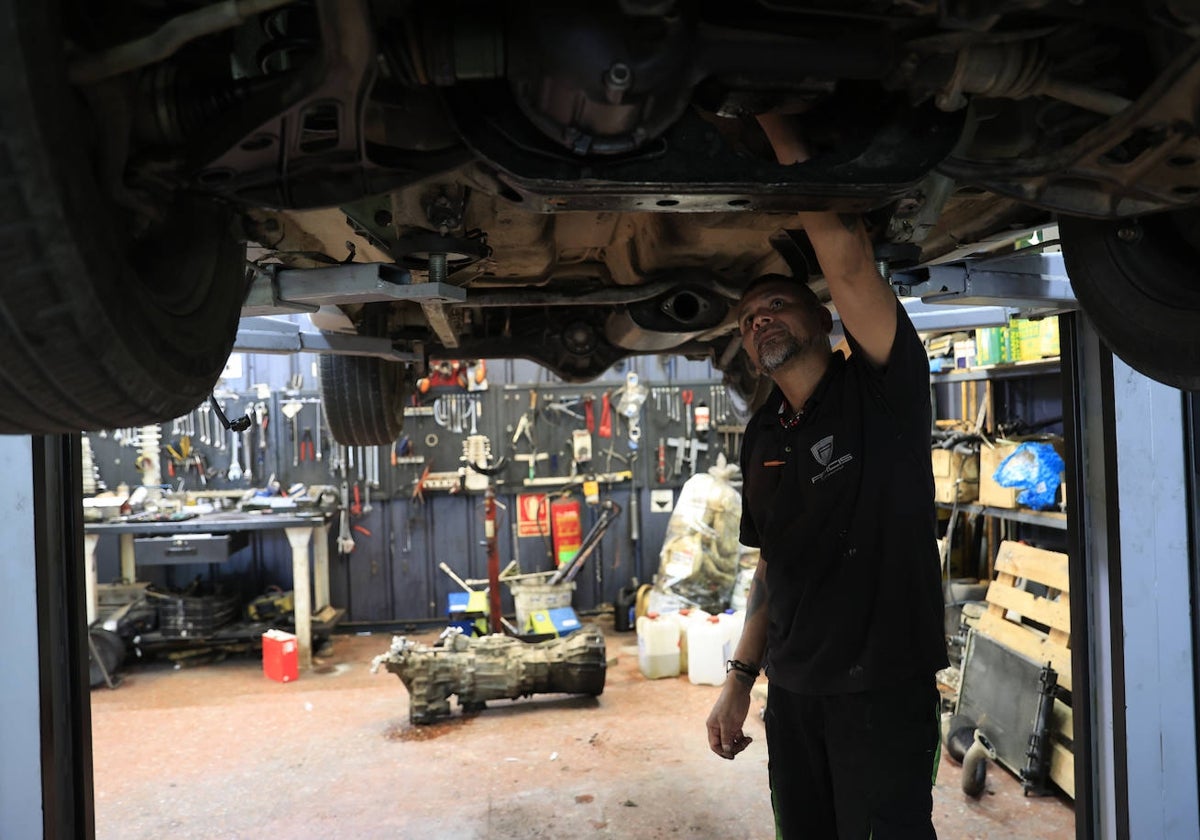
[[1034, 467]]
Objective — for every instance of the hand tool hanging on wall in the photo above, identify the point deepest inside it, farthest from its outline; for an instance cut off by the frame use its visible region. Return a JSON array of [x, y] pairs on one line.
[[291, 410], [703, 420], [320, 432], [248, 473], [605, 429], [234, 473], [345, 540]]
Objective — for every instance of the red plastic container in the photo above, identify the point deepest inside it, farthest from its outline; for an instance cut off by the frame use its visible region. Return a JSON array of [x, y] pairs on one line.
[[281, 657]]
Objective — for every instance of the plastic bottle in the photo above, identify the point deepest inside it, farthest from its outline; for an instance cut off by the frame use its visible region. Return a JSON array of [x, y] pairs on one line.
[[658, 646], [707, 651]]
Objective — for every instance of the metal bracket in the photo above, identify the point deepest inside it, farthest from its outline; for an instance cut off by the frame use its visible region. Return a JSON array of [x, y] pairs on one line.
[[1035, 283], [276, 290], [273, 335]]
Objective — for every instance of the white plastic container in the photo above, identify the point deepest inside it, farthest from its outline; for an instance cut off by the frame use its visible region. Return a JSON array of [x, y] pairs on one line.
[[708, 648], [734, 622], [658, 646], [687, 617]]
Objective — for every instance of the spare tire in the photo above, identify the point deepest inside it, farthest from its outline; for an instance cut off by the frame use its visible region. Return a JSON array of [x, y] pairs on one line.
[[106, 320], [363, 398], [1137, 280]]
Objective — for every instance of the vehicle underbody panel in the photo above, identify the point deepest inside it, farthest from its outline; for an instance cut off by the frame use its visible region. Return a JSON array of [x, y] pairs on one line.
[[592, 175]]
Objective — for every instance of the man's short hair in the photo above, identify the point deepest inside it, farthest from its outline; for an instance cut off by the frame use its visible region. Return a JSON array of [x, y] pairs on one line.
[[802, 288]]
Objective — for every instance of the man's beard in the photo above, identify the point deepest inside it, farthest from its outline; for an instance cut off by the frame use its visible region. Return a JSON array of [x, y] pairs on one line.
[[781, 349]]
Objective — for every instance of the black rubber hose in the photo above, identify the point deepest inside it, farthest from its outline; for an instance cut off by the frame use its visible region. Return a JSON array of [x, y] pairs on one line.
[[960, 735], [975, 765]]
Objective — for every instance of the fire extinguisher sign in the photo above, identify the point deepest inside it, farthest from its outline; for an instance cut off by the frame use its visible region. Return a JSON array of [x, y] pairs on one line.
[[533, 515]]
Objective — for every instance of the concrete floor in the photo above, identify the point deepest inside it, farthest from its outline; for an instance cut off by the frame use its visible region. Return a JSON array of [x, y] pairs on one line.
[[219, 751]]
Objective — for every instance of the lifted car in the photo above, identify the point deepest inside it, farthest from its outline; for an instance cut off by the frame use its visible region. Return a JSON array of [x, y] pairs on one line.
[[571, 182]]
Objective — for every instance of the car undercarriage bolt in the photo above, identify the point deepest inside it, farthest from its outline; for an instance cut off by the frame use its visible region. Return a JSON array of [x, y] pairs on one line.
[[1129, 233], [437, 268]]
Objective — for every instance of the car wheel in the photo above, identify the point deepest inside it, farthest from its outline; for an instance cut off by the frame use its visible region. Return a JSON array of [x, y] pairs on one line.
[[363, 398], [1139, 282], [99, 327]]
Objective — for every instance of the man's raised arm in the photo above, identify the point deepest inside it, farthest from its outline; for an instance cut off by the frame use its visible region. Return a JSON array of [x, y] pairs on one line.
[[864, 301]]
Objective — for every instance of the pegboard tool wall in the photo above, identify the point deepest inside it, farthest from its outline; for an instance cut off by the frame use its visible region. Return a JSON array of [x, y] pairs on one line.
[[393, 574]]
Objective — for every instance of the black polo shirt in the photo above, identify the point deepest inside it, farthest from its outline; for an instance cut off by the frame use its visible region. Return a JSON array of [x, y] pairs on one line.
[[842, 507]]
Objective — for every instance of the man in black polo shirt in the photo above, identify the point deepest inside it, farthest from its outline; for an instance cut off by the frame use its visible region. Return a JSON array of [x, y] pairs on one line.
[[845, 611]]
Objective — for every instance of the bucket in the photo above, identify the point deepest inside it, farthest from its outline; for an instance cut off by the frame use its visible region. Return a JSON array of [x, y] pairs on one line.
[[658, 646], [530, 597], [708, 646]]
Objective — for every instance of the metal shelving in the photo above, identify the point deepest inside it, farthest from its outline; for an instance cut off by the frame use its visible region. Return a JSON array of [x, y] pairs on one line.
[[994, 372], [1044, 518]]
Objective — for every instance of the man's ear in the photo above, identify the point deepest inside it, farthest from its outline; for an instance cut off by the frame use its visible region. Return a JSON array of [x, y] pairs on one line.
[[826, 320]]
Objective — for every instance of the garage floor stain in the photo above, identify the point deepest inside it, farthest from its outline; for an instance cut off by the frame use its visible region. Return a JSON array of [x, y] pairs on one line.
[[220, 751]]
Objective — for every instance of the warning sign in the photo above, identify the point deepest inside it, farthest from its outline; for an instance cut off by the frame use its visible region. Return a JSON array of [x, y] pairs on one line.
[[533, 515]]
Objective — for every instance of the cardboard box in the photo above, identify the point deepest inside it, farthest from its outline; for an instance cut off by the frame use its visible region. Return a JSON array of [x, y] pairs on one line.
[[281, 656], [991, 493], [955, 476]]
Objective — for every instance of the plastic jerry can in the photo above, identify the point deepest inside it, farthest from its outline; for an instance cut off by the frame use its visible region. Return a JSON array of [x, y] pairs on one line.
[[708, 648], [687, 617], [658, 646], [734, 621]]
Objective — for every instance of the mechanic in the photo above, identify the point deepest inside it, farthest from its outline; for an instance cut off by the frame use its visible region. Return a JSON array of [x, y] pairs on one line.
[[845, 610]]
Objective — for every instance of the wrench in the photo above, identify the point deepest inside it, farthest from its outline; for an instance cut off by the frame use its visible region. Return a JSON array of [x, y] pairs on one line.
[[235, 465], [246, 447], [320, 431], [345, 540]]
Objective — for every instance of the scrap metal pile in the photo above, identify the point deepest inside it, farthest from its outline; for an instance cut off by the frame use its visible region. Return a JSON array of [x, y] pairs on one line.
[[492, 668]]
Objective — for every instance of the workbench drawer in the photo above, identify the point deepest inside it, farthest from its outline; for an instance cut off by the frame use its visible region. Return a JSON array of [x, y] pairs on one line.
[[186, 548]]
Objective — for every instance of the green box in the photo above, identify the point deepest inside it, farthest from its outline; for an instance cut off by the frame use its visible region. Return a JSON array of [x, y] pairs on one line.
[[988, 346], [1028, 346]]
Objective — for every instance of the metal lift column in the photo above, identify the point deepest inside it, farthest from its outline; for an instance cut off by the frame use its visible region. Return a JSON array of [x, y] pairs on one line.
[[1132, 527]]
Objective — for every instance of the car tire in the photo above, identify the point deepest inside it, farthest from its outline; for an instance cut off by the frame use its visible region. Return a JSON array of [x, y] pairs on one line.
[[363, 398], [1138, 280], [105, 656], [99, 328]]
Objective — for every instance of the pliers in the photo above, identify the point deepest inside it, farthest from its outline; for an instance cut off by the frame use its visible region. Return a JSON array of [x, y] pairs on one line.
[[524, 428], [306, 446], [565, 408]]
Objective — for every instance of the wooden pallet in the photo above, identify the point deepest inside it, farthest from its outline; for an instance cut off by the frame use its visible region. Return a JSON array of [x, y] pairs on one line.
[[1011, 608]]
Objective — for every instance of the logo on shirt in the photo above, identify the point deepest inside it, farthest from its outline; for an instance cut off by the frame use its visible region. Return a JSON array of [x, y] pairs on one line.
[[822, 452]]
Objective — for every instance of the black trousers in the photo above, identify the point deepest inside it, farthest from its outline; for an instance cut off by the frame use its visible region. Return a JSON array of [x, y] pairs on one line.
[[854, 766]]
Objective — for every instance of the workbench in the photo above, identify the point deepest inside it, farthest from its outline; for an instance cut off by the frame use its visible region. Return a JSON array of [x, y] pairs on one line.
[[303, 529]]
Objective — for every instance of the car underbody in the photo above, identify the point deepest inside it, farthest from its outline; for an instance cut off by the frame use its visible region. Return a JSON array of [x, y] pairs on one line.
[[591, 178]]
